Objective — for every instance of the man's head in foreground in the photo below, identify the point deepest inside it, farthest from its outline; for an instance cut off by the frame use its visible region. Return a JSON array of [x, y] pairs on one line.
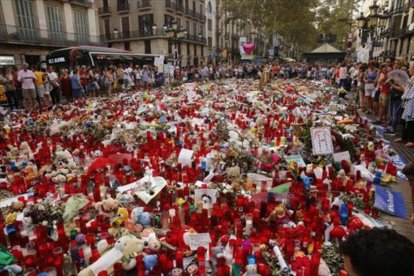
[[378, 252]]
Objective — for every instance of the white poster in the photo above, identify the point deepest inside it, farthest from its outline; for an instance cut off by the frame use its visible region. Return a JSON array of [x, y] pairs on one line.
[[242, 41], [321, 140]]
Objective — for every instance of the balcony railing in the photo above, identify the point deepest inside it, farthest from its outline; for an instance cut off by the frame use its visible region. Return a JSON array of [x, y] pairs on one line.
[[179, 8], [141, 34], [13, 34], [123, 7], [104, 10], [170, 4], [144, 4], [84, 3]]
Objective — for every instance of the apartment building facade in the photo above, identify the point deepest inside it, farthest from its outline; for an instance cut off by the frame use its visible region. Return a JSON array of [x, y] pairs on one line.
[[141, 26], [30, 29], [399, 34]]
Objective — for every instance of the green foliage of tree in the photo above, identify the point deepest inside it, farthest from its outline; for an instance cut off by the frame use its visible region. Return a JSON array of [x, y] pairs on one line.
[[297, 21]]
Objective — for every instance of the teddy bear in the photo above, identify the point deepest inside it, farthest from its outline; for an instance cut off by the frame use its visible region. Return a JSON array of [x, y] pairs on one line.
[[280, 215], [107, 207], [29, 174], [120, 218], [125, 249], [26, 151]]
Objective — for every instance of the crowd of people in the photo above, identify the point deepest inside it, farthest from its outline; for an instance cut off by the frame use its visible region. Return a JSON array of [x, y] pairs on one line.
[[377, 94]]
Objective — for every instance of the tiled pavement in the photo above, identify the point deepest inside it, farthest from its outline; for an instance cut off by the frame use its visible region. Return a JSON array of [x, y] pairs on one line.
[[403, 226]]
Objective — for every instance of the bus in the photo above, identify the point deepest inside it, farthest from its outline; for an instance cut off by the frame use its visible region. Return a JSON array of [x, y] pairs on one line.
[[96, 56]]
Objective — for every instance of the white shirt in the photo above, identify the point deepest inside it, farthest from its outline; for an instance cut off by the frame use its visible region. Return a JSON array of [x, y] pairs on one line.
[[342, 73], [26, 78]]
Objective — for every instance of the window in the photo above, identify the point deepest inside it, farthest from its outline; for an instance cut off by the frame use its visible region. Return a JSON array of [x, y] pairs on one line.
[[125, 27], [194, 6], [168, 19], [201, 9], [202, 30], [194, 29], [210, 42], [187, 26], [202, 51], [209, 8], [107, 28], [195, 50], [147, 44], [54, 22], [188, 49], [105, 3], [81, 26], [210, 25], [145, 23], [127, 46], [169, 47], [26, 19]]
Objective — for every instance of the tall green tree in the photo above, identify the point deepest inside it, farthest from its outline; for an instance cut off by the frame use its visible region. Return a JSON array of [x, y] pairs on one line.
[[293, 20]]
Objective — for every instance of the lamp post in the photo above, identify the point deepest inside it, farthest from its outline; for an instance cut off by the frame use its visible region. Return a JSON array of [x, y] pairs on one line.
[[175, 33], [373, 25]]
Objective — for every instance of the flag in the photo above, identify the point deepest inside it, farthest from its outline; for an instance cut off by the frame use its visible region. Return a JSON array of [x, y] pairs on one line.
[[281, 189], [390, 201]]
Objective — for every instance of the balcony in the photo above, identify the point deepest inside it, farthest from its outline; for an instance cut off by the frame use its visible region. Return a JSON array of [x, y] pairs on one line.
[[144, 4], [170, 4], [122, 7], [189, 12], [18, 35], [143, 34], [104, 11], [83, 3], [179, 8]]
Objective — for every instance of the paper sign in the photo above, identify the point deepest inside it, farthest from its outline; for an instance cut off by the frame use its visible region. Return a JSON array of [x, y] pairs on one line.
[[149, 187], [390, 201], [339, 156], [321, 140], [295, 158], [185, 156], [187, 261], [197, 240], [207, 196]]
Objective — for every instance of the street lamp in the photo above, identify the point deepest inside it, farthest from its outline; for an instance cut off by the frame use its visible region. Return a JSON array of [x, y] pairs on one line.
[[373, 25], [175, 34]]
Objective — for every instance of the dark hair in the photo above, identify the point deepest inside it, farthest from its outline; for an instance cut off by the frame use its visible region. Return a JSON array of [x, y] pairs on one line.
[[379, 252], [409, 169]]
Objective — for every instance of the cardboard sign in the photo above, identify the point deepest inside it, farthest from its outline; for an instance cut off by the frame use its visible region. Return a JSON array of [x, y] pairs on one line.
[[295, 158], [339, 156], [390, 201], [185, 157], [197, 240], [321, 140]]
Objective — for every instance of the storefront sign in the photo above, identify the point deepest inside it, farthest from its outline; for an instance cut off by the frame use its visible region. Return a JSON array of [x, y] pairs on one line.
[[7, 60]]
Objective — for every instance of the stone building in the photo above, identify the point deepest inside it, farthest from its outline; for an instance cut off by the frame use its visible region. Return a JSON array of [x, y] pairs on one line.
[[29, 29]]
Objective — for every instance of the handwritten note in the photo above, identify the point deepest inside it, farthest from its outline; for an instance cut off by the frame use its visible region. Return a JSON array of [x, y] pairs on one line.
[[321, 140], [185, 157], [339, 156], [197, 240]]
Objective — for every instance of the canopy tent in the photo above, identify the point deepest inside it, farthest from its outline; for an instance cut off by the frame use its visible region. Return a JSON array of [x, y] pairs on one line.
[[325, 54]]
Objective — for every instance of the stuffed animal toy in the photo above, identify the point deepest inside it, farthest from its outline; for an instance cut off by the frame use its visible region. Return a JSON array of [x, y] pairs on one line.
[[139, 216], [118, 220], [280, 214], [125, 249], [107, 207], [251, 270]]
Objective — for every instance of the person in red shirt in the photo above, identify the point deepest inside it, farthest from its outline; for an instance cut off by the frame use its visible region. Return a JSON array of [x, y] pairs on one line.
[[84, 77]]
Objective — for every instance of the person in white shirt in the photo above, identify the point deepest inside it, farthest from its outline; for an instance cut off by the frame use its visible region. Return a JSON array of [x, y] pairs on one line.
[[343, 75], [27, 78], [54, 85]]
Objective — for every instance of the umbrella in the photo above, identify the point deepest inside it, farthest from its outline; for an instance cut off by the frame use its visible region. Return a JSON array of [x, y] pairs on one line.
[[399, 76], [112, 160]]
